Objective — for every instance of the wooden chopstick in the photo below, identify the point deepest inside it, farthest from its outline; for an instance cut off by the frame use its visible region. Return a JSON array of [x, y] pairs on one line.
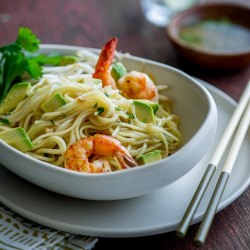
[[224, 176], [211, 168]]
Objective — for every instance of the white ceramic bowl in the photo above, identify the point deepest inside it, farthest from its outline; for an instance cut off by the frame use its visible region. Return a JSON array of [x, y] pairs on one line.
[[192, 103]]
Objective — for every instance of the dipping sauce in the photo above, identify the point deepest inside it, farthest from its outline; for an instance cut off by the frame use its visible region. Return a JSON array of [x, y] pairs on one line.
[[218, 35]]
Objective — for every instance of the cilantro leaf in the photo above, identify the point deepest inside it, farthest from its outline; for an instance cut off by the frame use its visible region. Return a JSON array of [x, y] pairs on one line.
[[47, 59], [100, 110], [33, 68], [14, 62], [27, 40], [20, 57], [4, 121], [130, 115], [55, 60]]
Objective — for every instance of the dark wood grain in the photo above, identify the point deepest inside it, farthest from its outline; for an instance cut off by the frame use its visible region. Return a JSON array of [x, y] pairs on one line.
[[91, 23]]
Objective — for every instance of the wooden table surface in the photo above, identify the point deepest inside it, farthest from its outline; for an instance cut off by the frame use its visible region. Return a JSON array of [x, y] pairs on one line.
[[91, 23]]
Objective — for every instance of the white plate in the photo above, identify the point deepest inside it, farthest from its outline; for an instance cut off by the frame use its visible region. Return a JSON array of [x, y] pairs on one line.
[[198, 127], [150, 214]]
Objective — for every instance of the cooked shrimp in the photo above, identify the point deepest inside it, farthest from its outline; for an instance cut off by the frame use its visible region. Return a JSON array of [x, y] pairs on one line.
[[134, 85], [102, 68], [100, 165], [137, 85], [78, 156]]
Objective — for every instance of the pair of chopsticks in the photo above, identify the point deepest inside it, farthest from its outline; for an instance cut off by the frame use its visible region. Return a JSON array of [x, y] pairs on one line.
[[239, 121]]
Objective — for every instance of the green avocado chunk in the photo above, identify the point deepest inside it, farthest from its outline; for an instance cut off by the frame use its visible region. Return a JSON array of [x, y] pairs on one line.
[[54, 102], [16, 94], [118, 70], [17, 138], [144, 112], [155, 106], [151, 157], [66, 60]]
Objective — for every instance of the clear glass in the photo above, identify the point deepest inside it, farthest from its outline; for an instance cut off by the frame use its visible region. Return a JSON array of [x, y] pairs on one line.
[[160, 12]]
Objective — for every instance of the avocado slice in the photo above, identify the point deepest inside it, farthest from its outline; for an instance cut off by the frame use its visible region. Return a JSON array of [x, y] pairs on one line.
[[151, 157], [144, 112], [17, 138], [16, 94], [155, 106], [66, 60], [118, 70], [54, 102]]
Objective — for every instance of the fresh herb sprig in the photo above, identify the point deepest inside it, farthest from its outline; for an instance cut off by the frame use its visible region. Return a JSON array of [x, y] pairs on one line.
[[22, 57], [14, 62]]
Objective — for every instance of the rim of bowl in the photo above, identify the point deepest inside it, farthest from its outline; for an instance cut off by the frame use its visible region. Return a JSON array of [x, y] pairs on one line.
[[198, 11], [211, 104]]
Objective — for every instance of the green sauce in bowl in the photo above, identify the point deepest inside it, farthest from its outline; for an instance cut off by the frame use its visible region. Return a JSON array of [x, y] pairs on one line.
[[217, 35]]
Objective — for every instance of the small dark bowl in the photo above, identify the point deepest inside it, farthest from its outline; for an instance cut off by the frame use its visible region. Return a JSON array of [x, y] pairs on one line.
[[208, 58]]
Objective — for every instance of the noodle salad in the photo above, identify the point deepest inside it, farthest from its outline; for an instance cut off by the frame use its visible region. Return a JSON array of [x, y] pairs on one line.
[[90, 114]]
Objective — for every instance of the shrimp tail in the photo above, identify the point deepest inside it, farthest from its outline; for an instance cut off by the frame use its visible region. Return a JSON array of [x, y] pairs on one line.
[[126, 160], [104, 62]]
